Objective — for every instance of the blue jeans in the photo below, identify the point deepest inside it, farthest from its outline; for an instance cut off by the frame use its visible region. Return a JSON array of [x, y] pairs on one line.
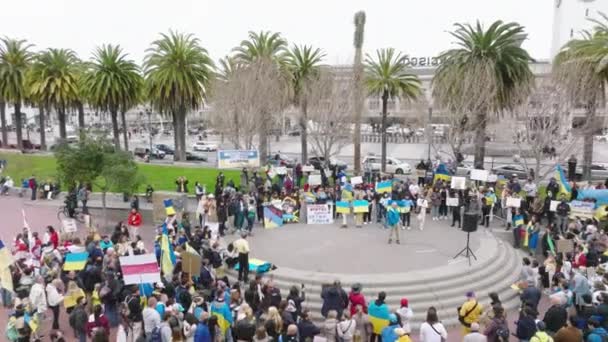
[[82, 337], [435, 211], [7, 298]]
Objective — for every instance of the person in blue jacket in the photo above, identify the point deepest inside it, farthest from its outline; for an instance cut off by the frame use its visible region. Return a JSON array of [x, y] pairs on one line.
[[598, 333], [388, 333], [392, 219]]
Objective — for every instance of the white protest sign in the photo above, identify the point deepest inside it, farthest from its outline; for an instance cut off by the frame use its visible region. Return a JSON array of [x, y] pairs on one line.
[[492, 178], [459, 183], [452, 201], [69, 225], [319, 214], [308, 168], [356, 180], [314, 179], [513, 202], [553, 205], [421, 202], [480, 175], [281, 170]]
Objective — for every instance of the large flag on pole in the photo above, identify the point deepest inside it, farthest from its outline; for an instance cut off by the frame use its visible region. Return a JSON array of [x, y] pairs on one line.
[[560, 176], [140, 269], [30, 237], [6, 259], [167, 256]]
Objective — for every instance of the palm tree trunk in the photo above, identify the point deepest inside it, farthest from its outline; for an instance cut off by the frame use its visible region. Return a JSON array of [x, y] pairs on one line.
[[124, 129], [358, 110], [81, 119], [480, 140], [263, 136], [115, 134], [237, 136], [383, 132], [304, 131], [3, 122], [18, 125], [41, 118], [181, 120], [588, 141], [176, 140], [62, 124]]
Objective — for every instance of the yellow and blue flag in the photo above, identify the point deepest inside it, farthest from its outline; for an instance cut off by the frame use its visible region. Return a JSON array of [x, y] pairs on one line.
[[75, 261], [167, 255], [169, 211], [342, 207], [360, 206], [442, 173], [384, 186], [378, 316], [6, 259], [560, 176], [273, 217]]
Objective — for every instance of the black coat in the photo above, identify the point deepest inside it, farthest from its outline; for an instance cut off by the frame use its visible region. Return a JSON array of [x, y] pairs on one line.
[[555, 318], [334, 298], [307, 329]]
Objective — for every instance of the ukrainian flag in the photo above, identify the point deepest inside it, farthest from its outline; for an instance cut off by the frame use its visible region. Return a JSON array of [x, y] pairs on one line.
[[378, 317], [167, 256], [75, 261], [257, 266], [224, 316], [384, 187], [442, 173], [342, 207], [518, 220], [560, 176]]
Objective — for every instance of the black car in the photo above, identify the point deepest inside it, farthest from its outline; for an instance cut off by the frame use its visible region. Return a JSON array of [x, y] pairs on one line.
[[194, 156], [165, 148], [319, 162]]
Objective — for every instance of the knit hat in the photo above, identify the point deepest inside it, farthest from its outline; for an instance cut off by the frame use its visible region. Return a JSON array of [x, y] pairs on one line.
[[470, 294], [404, 302], [356, 287]]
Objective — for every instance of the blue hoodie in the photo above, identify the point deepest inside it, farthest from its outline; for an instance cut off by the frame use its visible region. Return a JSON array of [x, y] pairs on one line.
[[202, 333], [597, 335], [388, 333]]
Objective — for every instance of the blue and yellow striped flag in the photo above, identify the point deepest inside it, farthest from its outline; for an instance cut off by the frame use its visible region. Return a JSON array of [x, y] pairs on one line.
[[384, 187], [564, 186], [167, 256]]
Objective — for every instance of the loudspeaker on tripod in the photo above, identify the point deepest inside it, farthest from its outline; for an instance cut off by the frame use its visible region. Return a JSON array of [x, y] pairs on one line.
[[469, 223]]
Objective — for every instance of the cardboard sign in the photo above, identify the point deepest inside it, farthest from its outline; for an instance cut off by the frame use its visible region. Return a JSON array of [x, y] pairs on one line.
[[459, 183], [356, 180], [553, 205], [314, 179], [319, 214], [281, 170], [69, 225], [513, 202], [565, 246], [191, 263], [480, 175], [308, 168], [451, 201], [582, 209]]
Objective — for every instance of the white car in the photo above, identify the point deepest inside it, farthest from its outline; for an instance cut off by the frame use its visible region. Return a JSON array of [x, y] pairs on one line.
[[393, 165], [204, 146]]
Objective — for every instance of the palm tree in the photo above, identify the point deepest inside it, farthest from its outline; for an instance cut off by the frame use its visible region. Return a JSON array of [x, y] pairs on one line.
[[111, 83], [304, 64], [486, 74], [53, 81], [358, 93], [3, 120], [15, 58], [178, 73], [387, 76], [582, 68], [262, 50], [229, 68]]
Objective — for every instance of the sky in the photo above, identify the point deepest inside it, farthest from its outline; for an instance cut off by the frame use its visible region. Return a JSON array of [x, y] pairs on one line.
[[418, 28]]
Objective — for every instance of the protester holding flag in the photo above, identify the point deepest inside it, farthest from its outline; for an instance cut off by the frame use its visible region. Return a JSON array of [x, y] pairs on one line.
[[392, 220]]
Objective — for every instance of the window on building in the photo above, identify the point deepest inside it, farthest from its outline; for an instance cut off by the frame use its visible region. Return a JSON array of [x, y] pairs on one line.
[[586, 12], [373, 104]]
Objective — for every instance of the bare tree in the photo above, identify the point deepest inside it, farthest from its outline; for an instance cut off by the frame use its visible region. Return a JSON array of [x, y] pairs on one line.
[[246, 98], [542, 123], [330, 110]]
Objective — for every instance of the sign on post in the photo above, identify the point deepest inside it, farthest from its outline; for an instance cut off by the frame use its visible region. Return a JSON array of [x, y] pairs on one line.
[[228, 159]]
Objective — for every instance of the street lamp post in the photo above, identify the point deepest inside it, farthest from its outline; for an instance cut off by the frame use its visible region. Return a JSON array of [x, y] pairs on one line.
[[429, 133]]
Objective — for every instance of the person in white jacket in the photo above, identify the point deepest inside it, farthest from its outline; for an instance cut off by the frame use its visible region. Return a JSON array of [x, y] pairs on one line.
[[54, 298], [432, 330], [38, 297], [347, 327], [405, 314]]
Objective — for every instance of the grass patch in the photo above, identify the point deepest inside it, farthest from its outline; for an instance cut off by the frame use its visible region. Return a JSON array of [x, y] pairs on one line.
[[161, 177]]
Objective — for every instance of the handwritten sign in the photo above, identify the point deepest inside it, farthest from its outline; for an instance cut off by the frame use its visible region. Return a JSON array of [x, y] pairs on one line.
[[513, 202], [480, 175], [308, 168], [452, 201], [458, 183], [553, 205], [356, 180], [314, 179], [319, 214], [69, 225]]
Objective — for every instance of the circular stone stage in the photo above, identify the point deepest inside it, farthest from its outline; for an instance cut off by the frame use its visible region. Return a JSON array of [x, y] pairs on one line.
[[331, 249], [422, 268]]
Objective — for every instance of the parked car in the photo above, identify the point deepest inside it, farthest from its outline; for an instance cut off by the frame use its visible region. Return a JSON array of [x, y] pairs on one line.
[[141, 152], [193, 130], [165, 148], [195, 156], [464, 169], [509, 170], [598, 172], [279, 159], [393, 165], [27, 145], [204, 146], [601, 138], [294, 133], [319, 162]]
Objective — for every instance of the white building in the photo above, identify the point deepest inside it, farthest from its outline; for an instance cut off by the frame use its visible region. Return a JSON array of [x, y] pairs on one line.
[[571, 18]]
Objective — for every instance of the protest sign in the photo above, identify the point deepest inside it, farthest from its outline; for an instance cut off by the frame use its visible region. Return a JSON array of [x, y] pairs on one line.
[[582, 209], [191, 262], [69, 225], [452, 201], [342, 207], [281, 170], [480, 175], [308, 168], [236, 159], [319, 214], [513, 202], [553, 205], [356, 180], [314, 179], [360, 206], [492, 178], [458, 183], [565, 246], [421, 202]]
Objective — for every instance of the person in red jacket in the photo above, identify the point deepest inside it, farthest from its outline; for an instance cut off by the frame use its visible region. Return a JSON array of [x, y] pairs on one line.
[[135, 221], [52, 236], [356, 298], [580, 259]]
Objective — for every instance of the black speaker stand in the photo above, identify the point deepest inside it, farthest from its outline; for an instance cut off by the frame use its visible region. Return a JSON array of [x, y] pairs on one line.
[[466, 252]]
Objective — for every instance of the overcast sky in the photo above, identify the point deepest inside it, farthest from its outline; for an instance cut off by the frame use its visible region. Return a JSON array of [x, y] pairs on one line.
[[416, 27]]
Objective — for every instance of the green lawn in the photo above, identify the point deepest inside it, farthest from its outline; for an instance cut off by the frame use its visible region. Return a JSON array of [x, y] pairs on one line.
[[161, 177]]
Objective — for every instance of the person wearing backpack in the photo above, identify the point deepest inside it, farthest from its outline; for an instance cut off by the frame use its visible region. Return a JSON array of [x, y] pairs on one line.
[[135, 311], [597, 332], [498, 329]]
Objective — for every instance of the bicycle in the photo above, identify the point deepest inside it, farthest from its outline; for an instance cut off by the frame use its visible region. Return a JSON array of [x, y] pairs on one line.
[[64, 213]]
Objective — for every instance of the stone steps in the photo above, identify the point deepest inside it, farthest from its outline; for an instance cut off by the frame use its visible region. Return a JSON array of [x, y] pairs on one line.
[[498, 266]]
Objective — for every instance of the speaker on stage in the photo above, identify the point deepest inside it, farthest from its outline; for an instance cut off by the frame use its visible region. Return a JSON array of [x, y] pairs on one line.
[[469, 223]]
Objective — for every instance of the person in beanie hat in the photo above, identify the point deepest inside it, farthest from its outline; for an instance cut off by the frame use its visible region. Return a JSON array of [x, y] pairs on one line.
[[469, 312], [475, 335], [405, 315], [355, 297]]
